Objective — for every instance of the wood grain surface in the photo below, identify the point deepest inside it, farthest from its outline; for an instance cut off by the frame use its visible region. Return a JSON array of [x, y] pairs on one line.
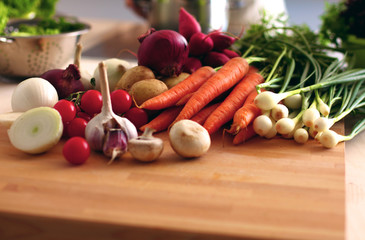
[[263, 189]]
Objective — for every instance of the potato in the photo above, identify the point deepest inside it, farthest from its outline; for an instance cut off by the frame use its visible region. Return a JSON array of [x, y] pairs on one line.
[[133, 75], [172, 81], [146, 89]]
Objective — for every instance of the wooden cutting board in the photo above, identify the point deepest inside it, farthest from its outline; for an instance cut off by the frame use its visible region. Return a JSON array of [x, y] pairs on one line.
[[263, 189]]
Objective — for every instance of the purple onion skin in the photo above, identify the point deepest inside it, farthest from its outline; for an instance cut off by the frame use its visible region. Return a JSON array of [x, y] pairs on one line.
[[66, 81], [164, 52]]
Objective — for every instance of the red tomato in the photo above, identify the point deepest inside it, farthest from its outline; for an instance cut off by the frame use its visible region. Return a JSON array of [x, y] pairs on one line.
[[137, 116], [76, 150], [121, 101], [76, 128], [91, 102], [84, 115], [66, 109]]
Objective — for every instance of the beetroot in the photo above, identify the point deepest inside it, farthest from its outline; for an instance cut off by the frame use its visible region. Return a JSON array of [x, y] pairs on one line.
[[191, 65], [221, 40], [66, 81], [188, 25], [215, 59], [200, 44], [229, 53]]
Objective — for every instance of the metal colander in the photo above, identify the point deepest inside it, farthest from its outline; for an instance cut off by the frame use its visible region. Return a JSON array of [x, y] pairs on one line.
[[25, 56]]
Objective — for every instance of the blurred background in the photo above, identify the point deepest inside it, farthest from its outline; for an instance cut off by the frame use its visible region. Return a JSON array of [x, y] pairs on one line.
[[299, 11]]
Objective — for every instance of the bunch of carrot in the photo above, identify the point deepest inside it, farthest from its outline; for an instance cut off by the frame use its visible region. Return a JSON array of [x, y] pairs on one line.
[[205, 105]]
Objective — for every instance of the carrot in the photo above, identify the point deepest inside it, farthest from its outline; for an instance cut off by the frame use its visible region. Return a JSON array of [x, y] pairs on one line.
[[244, 135], [184, 99], [246, 114], [233, 102], [163, 120], [174, 94], [203, 114], [225, 78]]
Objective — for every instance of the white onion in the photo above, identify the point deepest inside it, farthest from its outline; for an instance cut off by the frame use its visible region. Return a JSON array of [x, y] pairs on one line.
[[33, 92]]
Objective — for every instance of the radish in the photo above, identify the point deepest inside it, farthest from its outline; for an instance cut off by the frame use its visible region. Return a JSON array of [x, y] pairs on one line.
[[215, 59], [221, 40], [200, 44], [229, 53], [37, 130], [191, 65], [188, 25]]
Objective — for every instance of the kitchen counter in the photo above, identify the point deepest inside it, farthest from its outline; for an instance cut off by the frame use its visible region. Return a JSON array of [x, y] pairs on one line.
[[109, 39]]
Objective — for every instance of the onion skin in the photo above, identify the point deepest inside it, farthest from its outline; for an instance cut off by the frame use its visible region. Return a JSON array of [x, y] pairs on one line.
[[66, 81], [164, 52]]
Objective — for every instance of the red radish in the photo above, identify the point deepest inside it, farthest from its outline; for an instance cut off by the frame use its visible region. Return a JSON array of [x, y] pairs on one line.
[[188, 25], [221, 40], [164, 52], [200, 44], [229, 53], [65, 81], [191, 65], [215, 59]]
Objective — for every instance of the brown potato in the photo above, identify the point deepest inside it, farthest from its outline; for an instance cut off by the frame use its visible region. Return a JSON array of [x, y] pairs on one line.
[[133, 75], [172, 81], [146, 89]]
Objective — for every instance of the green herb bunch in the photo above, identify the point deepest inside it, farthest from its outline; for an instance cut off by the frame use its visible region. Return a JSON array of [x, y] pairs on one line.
[[342, 19]]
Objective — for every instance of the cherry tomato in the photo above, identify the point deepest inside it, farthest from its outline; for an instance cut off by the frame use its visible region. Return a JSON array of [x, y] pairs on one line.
[[76, 128], [76, 150], [121, 101], [84, 115], [137, 116], [91, 102], [66, 109]]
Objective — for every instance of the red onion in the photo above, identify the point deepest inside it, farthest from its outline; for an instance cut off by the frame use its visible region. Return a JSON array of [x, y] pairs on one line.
[[164, 52], [66, 81]]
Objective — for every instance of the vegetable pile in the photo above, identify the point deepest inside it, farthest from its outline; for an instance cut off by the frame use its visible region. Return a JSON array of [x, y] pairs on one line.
[[275, 81]]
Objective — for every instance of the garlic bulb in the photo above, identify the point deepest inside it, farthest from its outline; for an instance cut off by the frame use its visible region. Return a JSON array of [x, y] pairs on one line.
[[33, 92], [96, 132]]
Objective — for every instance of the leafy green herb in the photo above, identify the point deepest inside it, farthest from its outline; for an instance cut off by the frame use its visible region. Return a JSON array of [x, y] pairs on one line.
[[47, 27], [343, 19]]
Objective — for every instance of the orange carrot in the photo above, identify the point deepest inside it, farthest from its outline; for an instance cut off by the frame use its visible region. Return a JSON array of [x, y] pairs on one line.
[[174, 94], [203, 114], [184, 99], [163, 120], [225, 78], [233, 102], [246, 114], [243, 135]]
